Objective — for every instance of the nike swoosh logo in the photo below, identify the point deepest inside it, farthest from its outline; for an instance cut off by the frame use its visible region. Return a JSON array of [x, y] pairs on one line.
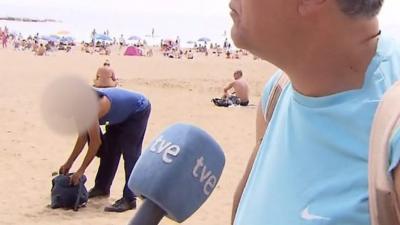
[[306, 215], [373, 101]]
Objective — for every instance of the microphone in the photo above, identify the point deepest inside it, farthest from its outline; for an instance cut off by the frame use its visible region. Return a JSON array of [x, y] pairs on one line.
[[176, 174]]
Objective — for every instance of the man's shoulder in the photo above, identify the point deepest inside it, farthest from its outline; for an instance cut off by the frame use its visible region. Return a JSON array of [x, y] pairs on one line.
[[389, 50], [273, 81], [391, 65], [104, 69], [385, 66], [268, 89]]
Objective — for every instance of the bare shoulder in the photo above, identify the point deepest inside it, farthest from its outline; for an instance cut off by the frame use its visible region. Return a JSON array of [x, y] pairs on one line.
[[104, 70]]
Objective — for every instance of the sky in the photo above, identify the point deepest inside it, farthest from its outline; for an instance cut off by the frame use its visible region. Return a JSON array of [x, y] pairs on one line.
[[189, 18], [196, 7], [195, 18]]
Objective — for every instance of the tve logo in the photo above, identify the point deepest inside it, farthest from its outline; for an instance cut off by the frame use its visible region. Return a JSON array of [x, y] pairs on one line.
[[170, 150], [205, 176]]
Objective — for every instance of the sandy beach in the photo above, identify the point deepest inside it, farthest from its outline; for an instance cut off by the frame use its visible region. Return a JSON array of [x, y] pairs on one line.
[[179, 90]]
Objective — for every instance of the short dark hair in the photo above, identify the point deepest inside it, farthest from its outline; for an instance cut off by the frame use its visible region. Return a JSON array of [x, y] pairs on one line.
[[360, 8], [239, 72]]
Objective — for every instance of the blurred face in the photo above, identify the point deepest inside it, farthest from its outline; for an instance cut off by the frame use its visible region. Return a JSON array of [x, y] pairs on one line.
[[261, 24], [236, 75]]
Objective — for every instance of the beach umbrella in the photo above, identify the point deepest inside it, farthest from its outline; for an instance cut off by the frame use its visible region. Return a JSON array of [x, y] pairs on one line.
[[63, 33], [204, 39], [168, 41], [67, 39], [134, 38], [52, 38], [13, 33], [102, 37]]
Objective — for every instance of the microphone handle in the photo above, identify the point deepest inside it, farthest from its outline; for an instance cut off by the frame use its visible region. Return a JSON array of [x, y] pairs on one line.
[[148, 214]]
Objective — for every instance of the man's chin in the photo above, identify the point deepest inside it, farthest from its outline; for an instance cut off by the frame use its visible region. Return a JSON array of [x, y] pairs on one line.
[[238, 37]]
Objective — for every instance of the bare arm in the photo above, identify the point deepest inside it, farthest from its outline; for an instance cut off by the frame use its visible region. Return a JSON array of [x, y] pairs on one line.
[[94, 144], [113, 77], [227, 88], [260, 130], [79, 145], [97, 74], [396, 171], [396, 177]]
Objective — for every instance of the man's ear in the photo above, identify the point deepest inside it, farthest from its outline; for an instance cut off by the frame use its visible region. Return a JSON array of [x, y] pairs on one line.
[[306, 7]]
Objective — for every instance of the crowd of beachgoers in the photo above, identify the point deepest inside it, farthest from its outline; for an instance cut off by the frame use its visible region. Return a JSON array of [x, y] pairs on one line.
[[103, 44]]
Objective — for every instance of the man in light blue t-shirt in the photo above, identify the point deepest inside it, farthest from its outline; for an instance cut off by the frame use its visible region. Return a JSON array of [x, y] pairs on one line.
[[312, 163]]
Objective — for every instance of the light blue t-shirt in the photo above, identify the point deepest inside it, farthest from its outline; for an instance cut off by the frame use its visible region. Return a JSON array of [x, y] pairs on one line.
[[312, 166]]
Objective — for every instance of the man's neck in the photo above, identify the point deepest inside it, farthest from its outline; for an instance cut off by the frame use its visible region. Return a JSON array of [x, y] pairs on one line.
[[337, 63]]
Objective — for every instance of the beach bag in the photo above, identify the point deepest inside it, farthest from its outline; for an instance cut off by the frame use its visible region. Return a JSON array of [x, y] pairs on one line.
[[384, 205], [224, 102], [64, 195]]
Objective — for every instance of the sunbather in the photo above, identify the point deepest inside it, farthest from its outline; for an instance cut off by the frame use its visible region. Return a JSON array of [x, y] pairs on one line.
[[105, 76]]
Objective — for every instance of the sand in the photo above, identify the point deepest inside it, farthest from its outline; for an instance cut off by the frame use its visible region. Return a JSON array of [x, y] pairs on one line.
[[179, 90]]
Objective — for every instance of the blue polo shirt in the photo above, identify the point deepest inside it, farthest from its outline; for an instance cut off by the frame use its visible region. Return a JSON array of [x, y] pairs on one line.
[[124, 103], [312, 166]]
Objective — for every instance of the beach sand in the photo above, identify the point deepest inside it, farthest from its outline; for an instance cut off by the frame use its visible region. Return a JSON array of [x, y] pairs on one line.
[[179, 90]]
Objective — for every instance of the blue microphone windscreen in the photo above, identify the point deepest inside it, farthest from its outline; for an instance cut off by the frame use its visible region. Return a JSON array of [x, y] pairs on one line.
[[179, 170]]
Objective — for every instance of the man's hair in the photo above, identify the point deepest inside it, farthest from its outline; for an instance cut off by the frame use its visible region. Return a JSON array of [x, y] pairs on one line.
[[360, 8], [238, 72]]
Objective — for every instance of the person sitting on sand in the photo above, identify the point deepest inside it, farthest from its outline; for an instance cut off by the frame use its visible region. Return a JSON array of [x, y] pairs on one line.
[[87, 49], [228, 54], [190, 55], [149, 53], [236, 55], [35, 46], [241, 89], [41, 50], [105, 76]]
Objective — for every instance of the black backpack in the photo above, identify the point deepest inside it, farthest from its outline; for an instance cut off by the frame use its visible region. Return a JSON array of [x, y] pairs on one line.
[[64, 195]]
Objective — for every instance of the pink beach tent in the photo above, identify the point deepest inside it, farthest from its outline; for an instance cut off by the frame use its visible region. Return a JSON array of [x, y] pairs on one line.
[[133, 51]]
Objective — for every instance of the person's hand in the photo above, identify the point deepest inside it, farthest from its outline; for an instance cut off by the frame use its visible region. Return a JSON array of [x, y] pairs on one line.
[[74, 179], [64, 169]]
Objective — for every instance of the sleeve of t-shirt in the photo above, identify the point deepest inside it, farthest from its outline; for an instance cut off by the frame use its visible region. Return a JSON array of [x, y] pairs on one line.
[[394, 150], [268, 88]]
